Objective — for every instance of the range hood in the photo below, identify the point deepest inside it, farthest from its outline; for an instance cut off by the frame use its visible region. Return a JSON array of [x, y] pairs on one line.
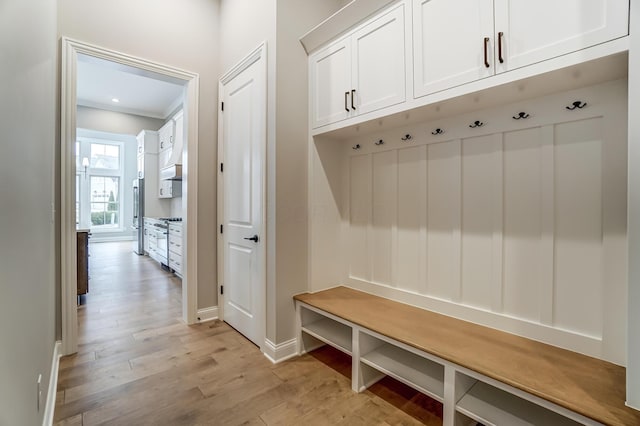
[[173, 172]]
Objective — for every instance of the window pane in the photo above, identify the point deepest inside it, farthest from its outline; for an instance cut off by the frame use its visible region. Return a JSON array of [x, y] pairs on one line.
[[77, 197], [105, 156], [105, 201]]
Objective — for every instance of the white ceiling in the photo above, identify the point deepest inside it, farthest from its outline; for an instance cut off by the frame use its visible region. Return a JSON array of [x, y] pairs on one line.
[[139, 92]]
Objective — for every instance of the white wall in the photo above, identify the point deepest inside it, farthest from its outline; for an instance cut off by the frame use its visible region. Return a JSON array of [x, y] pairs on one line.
[[114, 122], [180, 34], [27, 120]]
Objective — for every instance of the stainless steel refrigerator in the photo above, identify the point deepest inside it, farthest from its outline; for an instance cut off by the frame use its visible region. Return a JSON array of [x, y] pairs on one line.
[[138, 216]]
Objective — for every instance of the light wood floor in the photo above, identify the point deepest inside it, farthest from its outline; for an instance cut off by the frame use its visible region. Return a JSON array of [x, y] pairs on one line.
[[137, 364]]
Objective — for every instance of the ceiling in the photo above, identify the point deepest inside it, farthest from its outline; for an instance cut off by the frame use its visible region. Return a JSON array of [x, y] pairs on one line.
[[139, 92]]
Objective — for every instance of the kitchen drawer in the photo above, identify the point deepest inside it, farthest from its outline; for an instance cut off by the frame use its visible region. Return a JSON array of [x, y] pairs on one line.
[[175, 262], [175, 244], [175, 229]]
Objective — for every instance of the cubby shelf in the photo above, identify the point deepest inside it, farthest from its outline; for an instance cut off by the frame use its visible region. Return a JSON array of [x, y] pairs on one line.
[[331, 332], [493, 407], [410, 369]]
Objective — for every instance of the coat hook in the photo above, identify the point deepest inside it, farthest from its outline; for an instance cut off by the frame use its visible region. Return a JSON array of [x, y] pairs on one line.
[[407, 137], [521, 116], [476, 123], [437, 131], [380, 142], [356, 147], [577, 104]]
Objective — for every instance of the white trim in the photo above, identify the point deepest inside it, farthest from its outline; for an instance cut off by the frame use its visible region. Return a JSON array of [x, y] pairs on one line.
[[277, 353], [123, 110], [68, 101], [53, 385], [207, 314], [259, 53], [96, 239]]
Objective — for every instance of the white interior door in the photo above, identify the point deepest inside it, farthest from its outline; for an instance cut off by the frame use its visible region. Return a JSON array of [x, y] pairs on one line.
[[243, 138]]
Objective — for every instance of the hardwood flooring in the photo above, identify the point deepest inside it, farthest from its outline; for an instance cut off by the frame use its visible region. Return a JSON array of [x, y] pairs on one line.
[[138, 364]]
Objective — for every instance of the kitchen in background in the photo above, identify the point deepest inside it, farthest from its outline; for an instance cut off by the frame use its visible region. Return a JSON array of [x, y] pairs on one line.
[[130, 129]]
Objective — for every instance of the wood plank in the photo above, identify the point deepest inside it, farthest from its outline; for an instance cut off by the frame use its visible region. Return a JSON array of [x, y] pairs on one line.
[[589, 386]]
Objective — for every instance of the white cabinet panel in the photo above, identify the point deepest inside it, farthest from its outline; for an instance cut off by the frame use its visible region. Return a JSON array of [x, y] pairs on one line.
[[449, 43], [412, 219], [479, 160], [522, 223], [360, 216], [379, 63], [578, 227], [443, 238], [330, 76], [534, 31], [385, 188]]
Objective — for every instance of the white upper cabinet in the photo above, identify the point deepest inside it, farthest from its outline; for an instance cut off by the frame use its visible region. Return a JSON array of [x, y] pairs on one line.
[[450, 41], [456, 42], [331, 83], [533, 31], [379, 63], [360, 73]]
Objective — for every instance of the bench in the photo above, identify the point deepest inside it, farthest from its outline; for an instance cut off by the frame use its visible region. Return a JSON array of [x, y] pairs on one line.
[[478, 373]]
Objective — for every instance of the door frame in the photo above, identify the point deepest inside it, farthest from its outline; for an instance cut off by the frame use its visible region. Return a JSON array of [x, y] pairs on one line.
[[68, 101], [259, 54]]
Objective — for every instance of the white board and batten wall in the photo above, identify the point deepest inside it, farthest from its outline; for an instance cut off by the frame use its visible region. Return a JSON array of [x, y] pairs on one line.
[[517, 224]]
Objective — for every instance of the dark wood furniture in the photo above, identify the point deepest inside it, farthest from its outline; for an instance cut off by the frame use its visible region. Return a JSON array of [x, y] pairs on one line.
[[83, 262]]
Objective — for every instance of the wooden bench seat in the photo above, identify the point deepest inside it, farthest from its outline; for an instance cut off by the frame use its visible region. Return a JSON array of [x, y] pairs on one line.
[[590, 387]]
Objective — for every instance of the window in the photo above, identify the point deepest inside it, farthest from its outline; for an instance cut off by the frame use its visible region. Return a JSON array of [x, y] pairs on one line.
[[105, 201], [99, 186]]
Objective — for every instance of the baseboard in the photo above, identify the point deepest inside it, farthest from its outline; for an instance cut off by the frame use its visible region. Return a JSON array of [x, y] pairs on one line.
[[207, 314], [280, 352], [53, 385]]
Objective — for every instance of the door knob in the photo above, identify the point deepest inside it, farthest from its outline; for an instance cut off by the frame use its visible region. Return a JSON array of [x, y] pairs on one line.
[[254, 238]]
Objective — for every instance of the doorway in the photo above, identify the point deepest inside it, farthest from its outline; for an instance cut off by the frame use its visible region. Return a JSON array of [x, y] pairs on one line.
[[241, 200], [72, 51]]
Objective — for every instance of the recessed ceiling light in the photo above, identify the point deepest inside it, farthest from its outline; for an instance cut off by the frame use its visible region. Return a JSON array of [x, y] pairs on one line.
[[116, 100]]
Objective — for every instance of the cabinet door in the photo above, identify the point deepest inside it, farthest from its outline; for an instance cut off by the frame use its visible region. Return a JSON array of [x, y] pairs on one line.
[[140, 166], [166, 135], [537, 30], [178, 140], [164, 189], [330, 79], [449, 43], [140, 139], [378, 63], [164, 157]]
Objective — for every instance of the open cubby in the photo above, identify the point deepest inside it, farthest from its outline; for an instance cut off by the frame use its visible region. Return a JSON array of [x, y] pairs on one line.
[[494, 407], [407, 367], [327, 330]]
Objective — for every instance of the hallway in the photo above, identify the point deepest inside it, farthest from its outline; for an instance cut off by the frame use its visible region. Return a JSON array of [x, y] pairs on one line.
[[137, 363]]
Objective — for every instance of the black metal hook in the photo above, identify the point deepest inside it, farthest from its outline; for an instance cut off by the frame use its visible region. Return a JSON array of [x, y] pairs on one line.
[[521, 116], [380, 142], [356, 147], [476, 123], [407, 137], [577, 104], [437, 131]]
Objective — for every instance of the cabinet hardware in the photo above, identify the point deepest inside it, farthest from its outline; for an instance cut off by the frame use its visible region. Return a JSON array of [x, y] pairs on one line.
[[380, 142], [437, 131], [476, 123], [356, 147], [171, 139], [221, 229], [221, 106], [221, 167], [346, 96], [486, 52], [254, 238], [577, 104], [407, 137], [353, 92], [221, 289], [521, 116], [161, 144], [500, 36]]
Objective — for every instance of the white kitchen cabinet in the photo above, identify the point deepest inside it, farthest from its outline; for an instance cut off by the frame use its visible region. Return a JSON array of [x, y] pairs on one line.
[[360, 73], [178, 141], [176, 250], [170, 189], [450, 39], [166, 136], [147, 154], [467, 40], [533, 31]]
